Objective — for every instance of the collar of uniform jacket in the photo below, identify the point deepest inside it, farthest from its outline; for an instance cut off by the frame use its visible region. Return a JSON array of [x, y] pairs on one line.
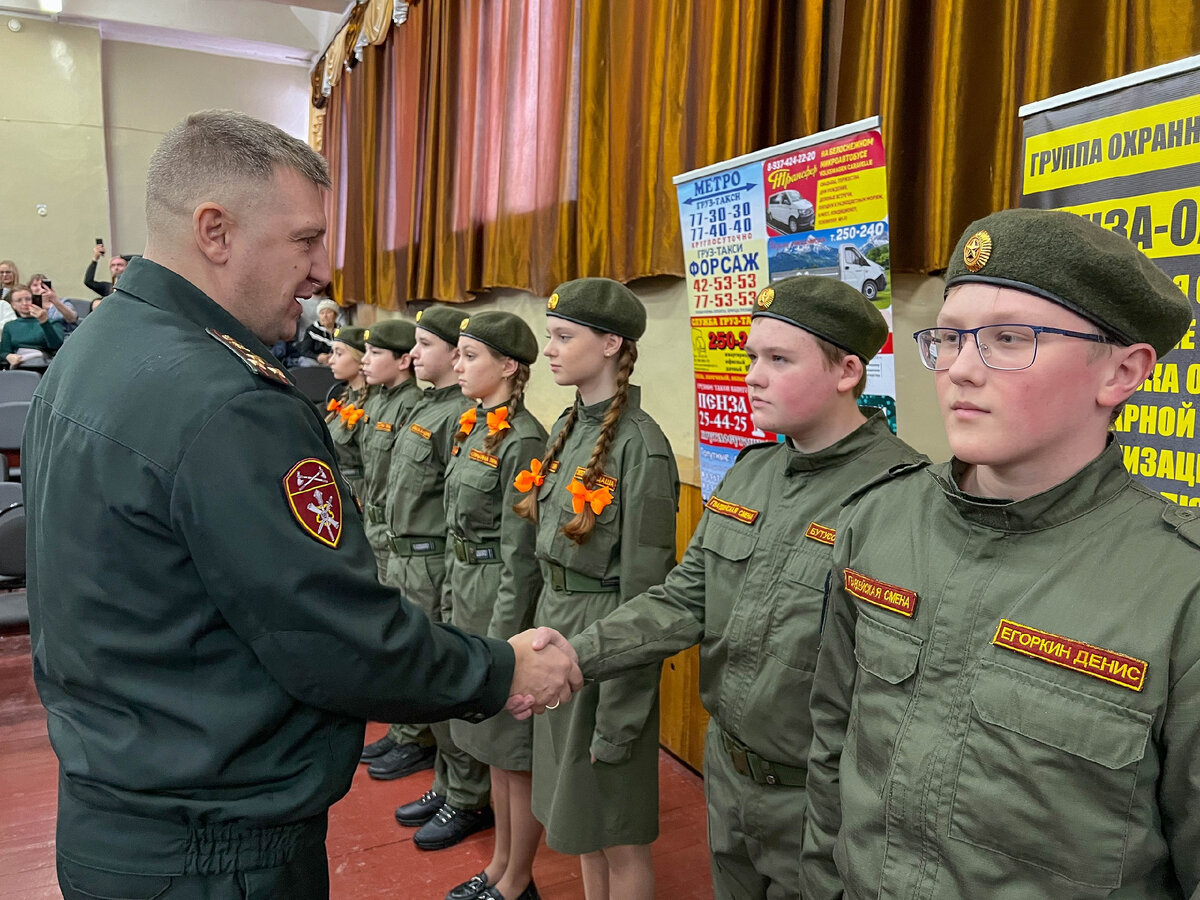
[[1089, 488], [595, 413], [160, 287], [841, 452]]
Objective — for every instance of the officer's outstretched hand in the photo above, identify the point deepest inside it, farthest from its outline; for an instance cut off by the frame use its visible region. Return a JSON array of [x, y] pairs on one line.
[[547, 672]]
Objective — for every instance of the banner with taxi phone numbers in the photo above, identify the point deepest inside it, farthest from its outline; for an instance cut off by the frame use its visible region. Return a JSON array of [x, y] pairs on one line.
[[1126, 154], [815, 207]]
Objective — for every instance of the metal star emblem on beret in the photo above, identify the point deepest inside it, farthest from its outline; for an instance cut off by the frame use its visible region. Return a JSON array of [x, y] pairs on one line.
[[766, 298], [552, 303], [978, 250], [463, 323]]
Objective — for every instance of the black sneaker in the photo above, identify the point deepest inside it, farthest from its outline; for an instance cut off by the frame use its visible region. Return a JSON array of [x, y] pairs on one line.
[[420, 810], [530, 893], [469, 889], [449, 826], [401, 760], [376, 749]]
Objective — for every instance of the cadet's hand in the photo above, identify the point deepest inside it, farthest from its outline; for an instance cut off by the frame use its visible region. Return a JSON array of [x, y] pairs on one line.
[[542, 678], [545, 637]]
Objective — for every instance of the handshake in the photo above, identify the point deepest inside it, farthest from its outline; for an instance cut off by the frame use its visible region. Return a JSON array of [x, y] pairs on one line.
[[546, 674]]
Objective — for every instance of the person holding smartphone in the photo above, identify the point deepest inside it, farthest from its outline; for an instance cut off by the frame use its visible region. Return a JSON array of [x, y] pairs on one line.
[[57, 309], [29, 339], [116, 266]]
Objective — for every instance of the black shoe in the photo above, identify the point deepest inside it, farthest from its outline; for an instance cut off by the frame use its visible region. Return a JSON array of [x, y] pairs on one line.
[[401, 760], [420, 810], [376, 749], [449, 826], [530, 893], [469, 889]]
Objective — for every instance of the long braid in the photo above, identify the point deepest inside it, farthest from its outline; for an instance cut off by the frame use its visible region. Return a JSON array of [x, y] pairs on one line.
[[520, 379], [527, 506], [580, 527]]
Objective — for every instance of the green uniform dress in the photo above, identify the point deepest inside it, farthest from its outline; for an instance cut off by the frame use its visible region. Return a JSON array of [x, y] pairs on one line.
[[387, 408], [631, 548], [345, 439], [749, 589], [1007, 700], [207, 644], [493, 574], [417, 539]]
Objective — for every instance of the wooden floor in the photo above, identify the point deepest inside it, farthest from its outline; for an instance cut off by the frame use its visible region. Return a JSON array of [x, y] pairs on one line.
[[369, 854]]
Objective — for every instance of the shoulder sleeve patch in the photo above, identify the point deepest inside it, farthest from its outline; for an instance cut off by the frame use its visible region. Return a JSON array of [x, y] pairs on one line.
[[896, 471], [314, 499], [750, 448], [250, 359], [1185, 522]]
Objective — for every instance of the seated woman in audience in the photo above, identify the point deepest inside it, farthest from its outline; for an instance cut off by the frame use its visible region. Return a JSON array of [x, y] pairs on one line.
[[31, 338], [316, 346], [9, 278], [57, 309]]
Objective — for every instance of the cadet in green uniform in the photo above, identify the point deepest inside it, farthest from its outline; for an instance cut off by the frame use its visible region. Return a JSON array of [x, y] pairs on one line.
[[387, 365], [207, 635], [604, 497], [749, 588], [417, 538], [493, 577], [1008, 688], [345, 412]]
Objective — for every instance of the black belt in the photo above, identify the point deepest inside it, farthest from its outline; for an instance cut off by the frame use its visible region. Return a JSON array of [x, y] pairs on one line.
[[475, 554], [563, 579], [418, 546], [761, 771]]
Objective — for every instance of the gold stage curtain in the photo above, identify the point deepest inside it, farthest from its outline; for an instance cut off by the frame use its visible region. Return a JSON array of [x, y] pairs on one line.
[[520, 143], [948, 77]]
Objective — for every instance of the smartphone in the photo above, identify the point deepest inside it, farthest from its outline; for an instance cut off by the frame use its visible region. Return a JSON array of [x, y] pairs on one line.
[[47, 285], [100, 243]]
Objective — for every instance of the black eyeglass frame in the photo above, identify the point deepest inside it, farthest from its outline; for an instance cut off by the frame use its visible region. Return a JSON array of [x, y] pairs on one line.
[[974, 332]]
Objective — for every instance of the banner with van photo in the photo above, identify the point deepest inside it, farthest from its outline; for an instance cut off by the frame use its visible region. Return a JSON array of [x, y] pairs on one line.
[[814, 207], [1126, 154]]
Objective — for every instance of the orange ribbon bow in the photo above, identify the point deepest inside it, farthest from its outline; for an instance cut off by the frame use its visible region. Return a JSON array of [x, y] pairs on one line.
[[466, 422], [581, 496], [498, 420], [530, 478], [351, 414], [334, 405]]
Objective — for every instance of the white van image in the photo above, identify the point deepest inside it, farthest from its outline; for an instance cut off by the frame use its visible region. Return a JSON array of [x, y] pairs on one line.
[[790, 212]]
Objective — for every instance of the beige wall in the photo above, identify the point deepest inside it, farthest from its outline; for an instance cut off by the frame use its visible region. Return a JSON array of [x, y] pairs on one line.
[[52, 148], [148, 89], [664, 368]]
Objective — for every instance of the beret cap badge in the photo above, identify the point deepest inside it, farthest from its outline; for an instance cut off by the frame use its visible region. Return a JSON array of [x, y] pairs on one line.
[[978, 250], [552, 303], [419, 315], [367, 335], [766, 298], [463, 323]]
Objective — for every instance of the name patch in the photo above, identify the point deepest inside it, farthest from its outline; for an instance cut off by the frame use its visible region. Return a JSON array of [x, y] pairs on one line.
[[820, 533], [880, 593], [486, 458], [1057, 650], [601, 480], [418, 430], [743, 514], [383, 426]]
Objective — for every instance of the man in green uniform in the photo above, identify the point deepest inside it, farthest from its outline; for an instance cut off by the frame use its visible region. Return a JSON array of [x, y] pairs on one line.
[[207, 637], [749, 588], [417, 539], [387, 366], [1007, 694]]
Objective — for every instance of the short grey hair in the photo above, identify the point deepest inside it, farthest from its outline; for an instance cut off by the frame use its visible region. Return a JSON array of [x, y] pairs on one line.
[[216, 148]]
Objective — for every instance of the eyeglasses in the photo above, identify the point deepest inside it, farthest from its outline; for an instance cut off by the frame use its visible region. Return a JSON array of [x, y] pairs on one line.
[[1008, 347]]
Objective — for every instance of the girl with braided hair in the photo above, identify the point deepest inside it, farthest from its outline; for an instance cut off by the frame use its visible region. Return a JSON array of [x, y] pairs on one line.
[[343, 411], [493, 576], [604, 497]]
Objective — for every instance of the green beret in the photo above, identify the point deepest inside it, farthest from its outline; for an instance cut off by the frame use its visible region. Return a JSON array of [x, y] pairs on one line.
[[397, 335], [599, 303], [503, 332], [442, 321], [833, 311], [352, 336], [1072, 261]]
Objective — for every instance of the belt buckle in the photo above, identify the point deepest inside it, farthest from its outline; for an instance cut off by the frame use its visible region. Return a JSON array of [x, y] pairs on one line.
[[741, 762], [460, 549], [558, 578]]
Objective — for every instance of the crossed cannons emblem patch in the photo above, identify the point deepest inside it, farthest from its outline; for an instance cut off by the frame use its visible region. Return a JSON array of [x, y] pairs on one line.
[[313, 496]]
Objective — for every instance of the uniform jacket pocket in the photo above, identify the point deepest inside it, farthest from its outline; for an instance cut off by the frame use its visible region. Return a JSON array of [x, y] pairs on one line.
[[887, 662], [795, 631], [727, 552]]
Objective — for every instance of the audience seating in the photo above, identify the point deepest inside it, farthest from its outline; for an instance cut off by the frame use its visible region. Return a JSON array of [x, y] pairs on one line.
[[12, 429], [17, 384], [314, 382]]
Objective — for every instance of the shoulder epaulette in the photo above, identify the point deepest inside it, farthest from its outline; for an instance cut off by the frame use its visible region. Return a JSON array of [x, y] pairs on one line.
[[1185, 522], [250, 359], [653, 439], [759, 446], [896, 471]]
